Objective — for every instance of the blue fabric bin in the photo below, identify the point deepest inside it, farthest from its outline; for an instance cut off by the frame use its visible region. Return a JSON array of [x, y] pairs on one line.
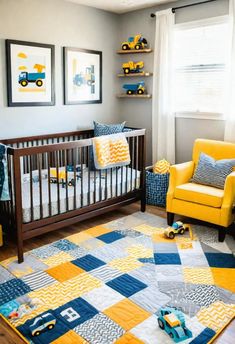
[[156, 188]]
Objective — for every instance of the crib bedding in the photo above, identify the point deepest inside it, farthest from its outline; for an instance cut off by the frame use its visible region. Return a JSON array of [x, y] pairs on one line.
[[91, 188]]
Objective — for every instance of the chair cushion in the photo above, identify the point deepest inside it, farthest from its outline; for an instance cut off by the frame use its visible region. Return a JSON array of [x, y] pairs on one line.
[[201, 194], [212, 172]]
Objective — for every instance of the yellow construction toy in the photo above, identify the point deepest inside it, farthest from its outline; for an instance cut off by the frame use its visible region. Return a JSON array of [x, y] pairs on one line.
[[1, 241], [132, 67], [137, 42]]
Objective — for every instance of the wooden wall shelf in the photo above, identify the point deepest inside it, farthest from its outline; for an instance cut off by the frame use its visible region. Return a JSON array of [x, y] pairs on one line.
[[134, 74], [133, 51], [140, 96]]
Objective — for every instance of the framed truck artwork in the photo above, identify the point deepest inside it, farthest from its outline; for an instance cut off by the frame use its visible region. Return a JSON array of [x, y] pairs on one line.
[[30, 73], [82, 76]]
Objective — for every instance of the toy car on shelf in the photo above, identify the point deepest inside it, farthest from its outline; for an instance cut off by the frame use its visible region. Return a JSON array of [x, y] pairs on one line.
[[172, 321], [132, 67], [137, 88], [42, 324], [137, 42], [177, 228]]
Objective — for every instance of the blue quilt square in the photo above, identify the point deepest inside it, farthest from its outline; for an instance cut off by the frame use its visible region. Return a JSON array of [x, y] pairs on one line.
[[126, 285], [75, 312], [167, 259], [108, 238], [12, 289], [88, 262], [46, 336], [64, 245], [220, 260], [204, 337]]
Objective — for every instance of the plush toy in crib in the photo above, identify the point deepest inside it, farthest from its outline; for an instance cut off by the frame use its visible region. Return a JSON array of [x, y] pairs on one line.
[[161, 167]]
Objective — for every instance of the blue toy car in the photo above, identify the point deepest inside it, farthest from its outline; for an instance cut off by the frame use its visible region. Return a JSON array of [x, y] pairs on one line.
[[42, 324], [172, 322]]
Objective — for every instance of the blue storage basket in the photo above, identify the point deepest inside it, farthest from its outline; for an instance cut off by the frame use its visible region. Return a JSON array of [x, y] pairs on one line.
[[156, 188]]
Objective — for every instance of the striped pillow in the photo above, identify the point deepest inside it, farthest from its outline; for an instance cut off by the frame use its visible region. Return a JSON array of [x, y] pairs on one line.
[[212, 172]]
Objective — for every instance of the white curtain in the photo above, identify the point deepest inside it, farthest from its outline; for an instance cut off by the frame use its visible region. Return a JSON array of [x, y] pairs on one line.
[[229, 134], [163, 118]]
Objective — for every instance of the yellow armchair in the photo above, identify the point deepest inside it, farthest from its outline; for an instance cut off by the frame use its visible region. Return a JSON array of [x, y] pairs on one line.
[[198, 201]]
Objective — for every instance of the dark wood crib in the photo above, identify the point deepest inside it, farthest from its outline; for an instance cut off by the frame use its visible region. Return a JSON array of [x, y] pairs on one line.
[[41, 202]]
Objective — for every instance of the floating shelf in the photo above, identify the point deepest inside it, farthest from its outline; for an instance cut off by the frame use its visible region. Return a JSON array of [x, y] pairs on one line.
[[133, 51], [134, 74], [123, 95]]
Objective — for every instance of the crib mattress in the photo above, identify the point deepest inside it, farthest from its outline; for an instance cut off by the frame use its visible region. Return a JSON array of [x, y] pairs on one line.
[[94, 187]]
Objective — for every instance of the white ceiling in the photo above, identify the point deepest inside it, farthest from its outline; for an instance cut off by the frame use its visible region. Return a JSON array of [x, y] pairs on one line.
[[120, 6]]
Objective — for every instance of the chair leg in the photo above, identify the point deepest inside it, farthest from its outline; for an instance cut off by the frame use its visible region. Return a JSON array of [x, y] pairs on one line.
[[222, 234], [170, 218]]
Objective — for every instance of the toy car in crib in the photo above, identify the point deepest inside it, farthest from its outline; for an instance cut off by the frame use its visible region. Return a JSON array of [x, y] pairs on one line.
[[177, 228], [42, 324], [138, 88], [137, 42], [172, 321], [132, 67]]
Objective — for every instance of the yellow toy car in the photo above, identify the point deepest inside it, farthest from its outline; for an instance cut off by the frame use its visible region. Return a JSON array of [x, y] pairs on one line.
[[132, 67], [177, 228], [137, 42]]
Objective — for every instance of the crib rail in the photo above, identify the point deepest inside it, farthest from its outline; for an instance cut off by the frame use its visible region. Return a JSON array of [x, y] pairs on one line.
[[54, 184]]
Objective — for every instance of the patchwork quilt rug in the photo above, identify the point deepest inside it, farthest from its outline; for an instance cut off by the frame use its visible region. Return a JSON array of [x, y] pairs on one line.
[[109, 284]]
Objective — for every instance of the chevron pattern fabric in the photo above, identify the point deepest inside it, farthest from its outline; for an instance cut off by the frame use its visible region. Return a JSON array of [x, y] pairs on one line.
[[212, 172], [107, 284]]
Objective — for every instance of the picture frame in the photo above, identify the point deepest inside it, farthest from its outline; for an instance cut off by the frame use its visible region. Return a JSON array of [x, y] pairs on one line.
[[82, 76], [30, 73]]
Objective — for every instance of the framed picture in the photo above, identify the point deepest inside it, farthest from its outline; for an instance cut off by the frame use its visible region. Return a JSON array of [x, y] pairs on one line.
[[82, 76], [30, 73]]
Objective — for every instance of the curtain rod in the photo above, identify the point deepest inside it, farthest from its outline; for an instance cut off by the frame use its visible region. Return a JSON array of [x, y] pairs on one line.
[[152, 15]]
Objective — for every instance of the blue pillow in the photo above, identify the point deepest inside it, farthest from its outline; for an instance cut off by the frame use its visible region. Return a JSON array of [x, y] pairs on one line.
[[108, 129], [212, 172]]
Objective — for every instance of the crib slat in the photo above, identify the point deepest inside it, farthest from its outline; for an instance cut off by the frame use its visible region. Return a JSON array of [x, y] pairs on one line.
[[121, 180], [116, 170], [89, 176], [82, 155], [106, 183], [57, 179], [39, 158], [31, 189], [65, 157], [49, 182], [137, 152], [111, 182], [100, 186], [94, 185], [75, 179]]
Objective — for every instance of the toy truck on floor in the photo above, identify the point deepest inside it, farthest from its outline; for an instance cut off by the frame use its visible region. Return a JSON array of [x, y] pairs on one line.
[[132, 67], [177, 228], [172, 322], [138, 88], [37, 78], [137, 42]]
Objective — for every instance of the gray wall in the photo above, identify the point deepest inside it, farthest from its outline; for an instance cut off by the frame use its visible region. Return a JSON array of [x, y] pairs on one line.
[[62, 24], [139, 112]]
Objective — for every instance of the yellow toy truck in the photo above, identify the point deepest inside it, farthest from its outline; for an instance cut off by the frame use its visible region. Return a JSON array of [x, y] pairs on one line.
[[132, 67], [137, 42], [177, 228]]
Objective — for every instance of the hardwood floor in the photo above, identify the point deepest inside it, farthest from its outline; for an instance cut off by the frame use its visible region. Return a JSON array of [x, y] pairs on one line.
[[226, 337]]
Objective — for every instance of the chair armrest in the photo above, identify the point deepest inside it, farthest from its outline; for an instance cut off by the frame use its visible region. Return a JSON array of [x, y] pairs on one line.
[[180, 174], [229, 191]]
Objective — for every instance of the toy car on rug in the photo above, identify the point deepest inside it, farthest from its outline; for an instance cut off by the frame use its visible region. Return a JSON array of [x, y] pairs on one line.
[[172, 322], [177, 228], [42, 324], [137, 42]]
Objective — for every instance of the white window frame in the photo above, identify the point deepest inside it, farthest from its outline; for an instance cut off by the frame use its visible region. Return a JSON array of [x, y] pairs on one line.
[[191, 25]]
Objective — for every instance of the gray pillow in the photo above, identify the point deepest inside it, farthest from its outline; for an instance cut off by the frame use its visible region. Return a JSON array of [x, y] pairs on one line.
[[212, 172]]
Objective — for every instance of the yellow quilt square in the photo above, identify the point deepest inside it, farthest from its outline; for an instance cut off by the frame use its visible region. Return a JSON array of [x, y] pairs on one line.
[[79, 237], [127, 314], [128, 338], [146, 229], [65, 271], [81, 284], [139, 251], [57, 259], [125, 264], [224, 278], [198, 275], [97, 231], [70, 337]]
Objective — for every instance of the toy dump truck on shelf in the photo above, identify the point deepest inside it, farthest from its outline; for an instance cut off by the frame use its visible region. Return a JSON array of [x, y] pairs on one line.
[[37, 78], [172, 322], [137, 88], [132, 67], [137, 42]]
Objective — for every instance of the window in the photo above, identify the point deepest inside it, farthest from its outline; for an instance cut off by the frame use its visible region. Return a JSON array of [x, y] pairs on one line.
[[200, 65]]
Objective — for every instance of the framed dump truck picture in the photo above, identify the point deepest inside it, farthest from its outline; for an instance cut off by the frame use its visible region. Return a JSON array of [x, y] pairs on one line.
[[30, 73], [82, 76]]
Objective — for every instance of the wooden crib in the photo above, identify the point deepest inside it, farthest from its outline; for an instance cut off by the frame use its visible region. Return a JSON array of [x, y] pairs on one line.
[[53, 183]]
